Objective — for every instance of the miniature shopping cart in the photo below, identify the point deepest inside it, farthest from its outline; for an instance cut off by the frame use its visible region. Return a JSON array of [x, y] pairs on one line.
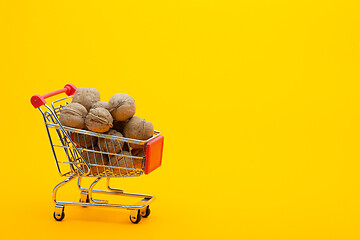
[[74, 149]]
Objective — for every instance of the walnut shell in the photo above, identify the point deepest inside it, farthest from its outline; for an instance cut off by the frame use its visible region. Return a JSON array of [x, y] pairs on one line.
[[86, 97], [100, 104], [84, 140], [119, 125], [99, 120], [111, 146], [138, 128], [122, 106], [73, 115], [138, 152], [124, 162], [126, 146], [95, 158]]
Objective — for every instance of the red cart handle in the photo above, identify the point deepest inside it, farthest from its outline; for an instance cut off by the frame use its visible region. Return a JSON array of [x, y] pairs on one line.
[[38, 100]]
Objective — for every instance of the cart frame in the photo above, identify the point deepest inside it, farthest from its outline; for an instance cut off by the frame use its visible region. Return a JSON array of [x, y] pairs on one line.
[[79, 163]]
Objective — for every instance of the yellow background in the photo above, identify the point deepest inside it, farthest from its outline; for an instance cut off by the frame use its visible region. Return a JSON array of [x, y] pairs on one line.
[[258, 101]]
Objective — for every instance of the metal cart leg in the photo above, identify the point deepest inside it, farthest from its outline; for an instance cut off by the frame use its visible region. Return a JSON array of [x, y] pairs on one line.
[[91, 189], [79, 185], [110, 188], [59, 213], [84, 194], [56, 188]]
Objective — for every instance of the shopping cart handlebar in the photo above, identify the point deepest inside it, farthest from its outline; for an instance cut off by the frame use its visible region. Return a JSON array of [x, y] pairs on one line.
[[38, 100]]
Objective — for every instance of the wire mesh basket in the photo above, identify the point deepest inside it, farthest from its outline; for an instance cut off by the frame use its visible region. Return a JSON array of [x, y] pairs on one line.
[[94, 154]]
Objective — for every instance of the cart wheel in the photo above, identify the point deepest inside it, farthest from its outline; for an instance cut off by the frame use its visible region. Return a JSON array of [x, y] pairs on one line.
[[87, 199], [84, 198], [146, 212], [59, 217], [135, 218]]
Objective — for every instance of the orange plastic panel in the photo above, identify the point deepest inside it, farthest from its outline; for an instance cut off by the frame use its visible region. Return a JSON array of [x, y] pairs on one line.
[[154, 150]]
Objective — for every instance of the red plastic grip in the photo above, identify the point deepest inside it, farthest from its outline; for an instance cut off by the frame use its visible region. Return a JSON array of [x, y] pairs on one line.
[[38, 100], [154, 151]]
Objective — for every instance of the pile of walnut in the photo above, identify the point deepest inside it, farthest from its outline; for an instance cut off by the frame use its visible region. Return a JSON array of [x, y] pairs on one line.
[[116, 118]]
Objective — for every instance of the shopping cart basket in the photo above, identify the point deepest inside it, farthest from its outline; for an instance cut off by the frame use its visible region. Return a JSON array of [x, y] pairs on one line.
[[78, 153]]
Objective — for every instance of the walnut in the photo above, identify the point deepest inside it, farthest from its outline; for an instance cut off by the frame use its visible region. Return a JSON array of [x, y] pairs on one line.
[[111, 146], [124, 162], [138, 128], [86, 97], [99, 120], [84, 140], [73, 115], [122, 106], [100, 104], [95, 158]]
